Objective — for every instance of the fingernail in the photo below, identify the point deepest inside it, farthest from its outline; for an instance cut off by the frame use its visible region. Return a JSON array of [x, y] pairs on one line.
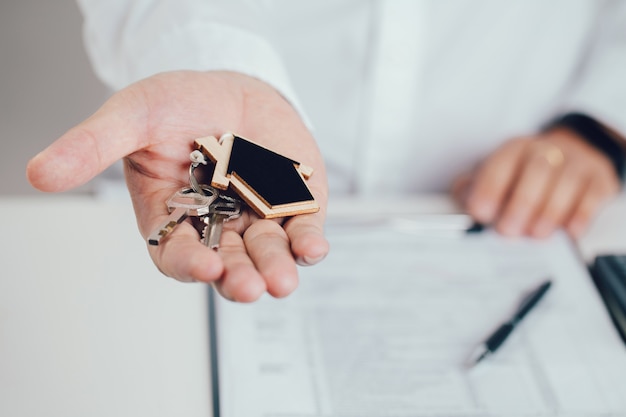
[[308, 261], [227, 295]]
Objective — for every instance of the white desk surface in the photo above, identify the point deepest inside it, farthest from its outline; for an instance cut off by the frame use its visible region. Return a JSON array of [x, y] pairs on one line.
[[89, 327]]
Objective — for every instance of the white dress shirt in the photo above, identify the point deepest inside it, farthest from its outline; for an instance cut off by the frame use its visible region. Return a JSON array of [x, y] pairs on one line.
[[401, 95]]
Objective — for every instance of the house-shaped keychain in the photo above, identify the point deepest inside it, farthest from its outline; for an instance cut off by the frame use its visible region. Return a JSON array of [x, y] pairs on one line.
[[271, 184]]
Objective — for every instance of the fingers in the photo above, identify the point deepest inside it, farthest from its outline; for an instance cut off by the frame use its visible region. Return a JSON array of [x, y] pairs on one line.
[[243, 268], [268, 246], [596, 194], [181, 255], [306, 233], [259, 261], [534, 186], [492, 182], [560, 201], [530, 189], [242, 281], [264, 259], [113, 132]]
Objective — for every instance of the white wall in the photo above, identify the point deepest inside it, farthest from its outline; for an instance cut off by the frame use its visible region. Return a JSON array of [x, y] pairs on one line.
[[46, 82]]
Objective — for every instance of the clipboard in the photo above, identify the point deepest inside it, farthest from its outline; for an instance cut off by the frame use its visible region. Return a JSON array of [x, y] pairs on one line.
[[213, 353], [536, 359]]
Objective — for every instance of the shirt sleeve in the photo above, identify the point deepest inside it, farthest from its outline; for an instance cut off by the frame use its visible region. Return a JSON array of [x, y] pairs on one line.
[[130, 40], [600, 88]]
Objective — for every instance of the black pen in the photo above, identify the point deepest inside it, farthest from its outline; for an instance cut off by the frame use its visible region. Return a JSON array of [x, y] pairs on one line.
[[498, 337]]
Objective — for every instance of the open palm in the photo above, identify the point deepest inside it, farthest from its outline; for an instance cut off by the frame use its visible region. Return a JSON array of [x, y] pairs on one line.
[[152, 125]]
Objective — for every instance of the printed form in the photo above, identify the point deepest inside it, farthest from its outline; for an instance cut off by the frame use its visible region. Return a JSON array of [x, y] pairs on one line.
[[384, 325]]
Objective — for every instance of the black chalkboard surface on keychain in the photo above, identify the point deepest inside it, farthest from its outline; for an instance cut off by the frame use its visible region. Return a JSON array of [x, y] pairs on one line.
[[270, 183]]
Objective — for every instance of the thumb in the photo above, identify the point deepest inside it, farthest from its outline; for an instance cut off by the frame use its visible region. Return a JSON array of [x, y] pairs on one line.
[[87, 149]]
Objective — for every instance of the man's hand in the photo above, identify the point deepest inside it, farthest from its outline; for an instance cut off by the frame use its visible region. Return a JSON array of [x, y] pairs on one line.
[[152, 125], [534, 185]]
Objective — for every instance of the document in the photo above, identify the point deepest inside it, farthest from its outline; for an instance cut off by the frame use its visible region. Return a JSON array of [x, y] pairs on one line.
[[384, 325]]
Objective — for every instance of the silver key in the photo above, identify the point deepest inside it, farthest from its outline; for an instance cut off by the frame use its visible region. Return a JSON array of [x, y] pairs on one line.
[[182, 204], [222, 210]]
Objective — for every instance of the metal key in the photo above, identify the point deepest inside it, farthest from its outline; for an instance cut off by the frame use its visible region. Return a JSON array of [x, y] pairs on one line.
[[182, 204], [222, 210]]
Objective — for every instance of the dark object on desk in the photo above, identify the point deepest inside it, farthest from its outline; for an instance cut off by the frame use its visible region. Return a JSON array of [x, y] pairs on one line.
[[498, 337], [609, 275], [476, 228]]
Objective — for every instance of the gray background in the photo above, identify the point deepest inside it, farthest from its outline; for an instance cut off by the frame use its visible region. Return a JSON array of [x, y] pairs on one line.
[[46, 83]]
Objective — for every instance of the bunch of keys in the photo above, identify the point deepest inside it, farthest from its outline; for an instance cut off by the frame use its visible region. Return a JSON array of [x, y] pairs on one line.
[[202, 201]]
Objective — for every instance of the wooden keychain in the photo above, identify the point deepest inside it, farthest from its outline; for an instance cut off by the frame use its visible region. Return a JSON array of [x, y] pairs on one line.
[[271, 184]]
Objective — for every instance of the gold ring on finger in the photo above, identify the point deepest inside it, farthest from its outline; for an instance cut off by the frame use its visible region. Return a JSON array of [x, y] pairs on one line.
[[554, 156]]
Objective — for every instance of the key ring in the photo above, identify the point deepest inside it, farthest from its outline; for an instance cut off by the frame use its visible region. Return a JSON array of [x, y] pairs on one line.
[[197, 158]]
